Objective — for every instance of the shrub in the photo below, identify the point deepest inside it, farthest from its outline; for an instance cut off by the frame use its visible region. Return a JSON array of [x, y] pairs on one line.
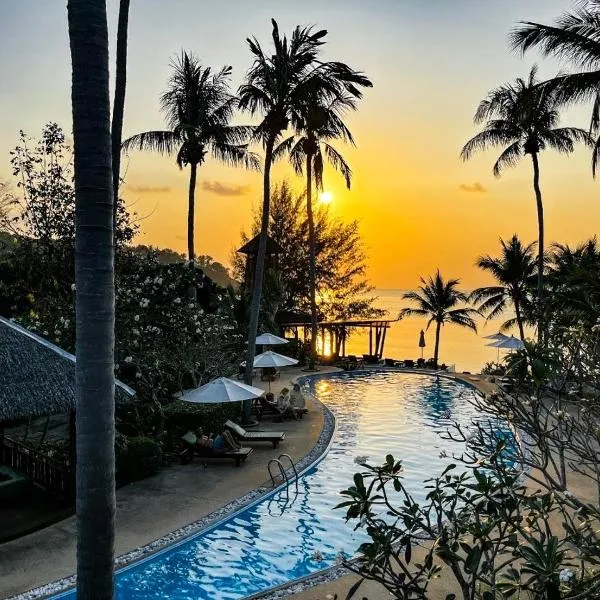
[[181, 415], [137, 458]]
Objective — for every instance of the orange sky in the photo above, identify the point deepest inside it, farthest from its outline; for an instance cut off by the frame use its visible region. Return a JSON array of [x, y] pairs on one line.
[[418, 205]]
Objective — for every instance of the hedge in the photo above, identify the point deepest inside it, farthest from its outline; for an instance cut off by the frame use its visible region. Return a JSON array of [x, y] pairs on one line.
[[184, 416], [137, 458]]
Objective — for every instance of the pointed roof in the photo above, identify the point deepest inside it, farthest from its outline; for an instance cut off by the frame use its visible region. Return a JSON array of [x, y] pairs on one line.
[[251, 247], [37, 377]]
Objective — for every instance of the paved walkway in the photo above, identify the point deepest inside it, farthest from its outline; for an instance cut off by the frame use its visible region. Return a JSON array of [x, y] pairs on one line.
[[149, 509]]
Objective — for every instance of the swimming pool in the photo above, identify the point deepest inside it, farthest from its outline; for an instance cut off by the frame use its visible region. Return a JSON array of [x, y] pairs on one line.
[[280, 538]]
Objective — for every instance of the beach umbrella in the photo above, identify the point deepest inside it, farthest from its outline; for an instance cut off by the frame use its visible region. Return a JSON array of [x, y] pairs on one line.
[[510, 343], [496, 336], [272, 359], [422, 342], [222, 390], [268, 339]]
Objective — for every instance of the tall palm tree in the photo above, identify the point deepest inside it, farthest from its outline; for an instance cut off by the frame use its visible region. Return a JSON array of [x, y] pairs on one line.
[[574, 38], [198, 109], [514, 270], [315, 126], [522, 117], [276, 84], [119, 103], [94, 304], [438, 300]]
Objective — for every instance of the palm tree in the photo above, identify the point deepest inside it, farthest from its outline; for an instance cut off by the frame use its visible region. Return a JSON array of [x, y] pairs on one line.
[[575, 37], [198, 109], [119, 103], [316, 125], [438, 300], [514, 271], [522, 117], [276, 84], [94, 304]]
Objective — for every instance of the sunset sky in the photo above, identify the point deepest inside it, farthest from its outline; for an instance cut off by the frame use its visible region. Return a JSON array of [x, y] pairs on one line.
[[431, 62]]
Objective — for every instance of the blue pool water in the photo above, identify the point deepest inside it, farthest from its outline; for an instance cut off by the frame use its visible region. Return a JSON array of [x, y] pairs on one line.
[[278, 540]]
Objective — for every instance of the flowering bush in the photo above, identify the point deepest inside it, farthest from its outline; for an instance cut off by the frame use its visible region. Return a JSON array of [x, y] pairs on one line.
[[169, 331]]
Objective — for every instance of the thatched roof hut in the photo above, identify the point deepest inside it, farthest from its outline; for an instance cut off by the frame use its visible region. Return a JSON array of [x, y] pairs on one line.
[[37, 378]]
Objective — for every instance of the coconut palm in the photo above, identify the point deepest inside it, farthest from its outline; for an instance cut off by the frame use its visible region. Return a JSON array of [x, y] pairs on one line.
[[198, 109], [522, 118], [94, 304], [316, 125], [574, 38], [276, 84], [119, 103], [515, 271], [439, 300]]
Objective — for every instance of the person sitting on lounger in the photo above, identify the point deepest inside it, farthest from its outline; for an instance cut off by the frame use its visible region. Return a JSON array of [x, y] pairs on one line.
[[285, 407], [297, 398]]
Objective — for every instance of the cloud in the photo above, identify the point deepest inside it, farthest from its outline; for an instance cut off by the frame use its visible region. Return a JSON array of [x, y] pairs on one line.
[[148, 189], [475, 187], [224, 189]]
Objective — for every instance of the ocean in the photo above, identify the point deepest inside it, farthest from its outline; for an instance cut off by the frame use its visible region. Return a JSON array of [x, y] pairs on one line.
[[459, 346]]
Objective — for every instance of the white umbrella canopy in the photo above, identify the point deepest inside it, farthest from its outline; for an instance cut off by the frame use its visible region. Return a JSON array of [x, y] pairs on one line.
[[222, 390], [268, 339], [496, 336], [510, 343], [272, 359]]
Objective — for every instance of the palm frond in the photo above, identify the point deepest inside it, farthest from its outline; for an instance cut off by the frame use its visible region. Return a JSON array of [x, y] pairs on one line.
[[164, 142]]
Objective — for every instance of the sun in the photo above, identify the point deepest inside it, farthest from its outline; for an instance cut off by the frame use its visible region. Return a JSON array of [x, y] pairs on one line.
[[325, 197]]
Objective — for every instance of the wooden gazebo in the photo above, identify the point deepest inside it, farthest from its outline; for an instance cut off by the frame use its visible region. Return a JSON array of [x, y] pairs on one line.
[[250, 249]]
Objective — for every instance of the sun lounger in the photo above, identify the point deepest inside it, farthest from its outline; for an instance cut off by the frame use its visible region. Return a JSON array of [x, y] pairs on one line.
[[238, 456], [242, 435]]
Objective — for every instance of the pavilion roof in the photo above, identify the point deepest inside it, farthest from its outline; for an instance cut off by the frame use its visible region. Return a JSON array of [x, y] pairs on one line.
[[37, 378], [251, 247]]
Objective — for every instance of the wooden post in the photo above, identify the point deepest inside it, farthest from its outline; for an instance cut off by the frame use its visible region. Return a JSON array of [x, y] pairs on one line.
[[383, 340], [370, 340]]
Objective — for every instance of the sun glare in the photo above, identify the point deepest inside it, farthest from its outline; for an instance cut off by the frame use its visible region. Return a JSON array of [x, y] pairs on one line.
[[325, 197]]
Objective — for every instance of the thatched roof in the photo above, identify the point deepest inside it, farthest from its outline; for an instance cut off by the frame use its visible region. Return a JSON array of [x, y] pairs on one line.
[[251, 247], [37, 378]]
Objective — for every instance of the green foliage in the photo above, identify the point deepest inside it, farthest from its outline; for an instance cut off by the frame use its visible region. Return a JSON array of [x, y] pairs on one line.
[[137, 458], [343, 290], [182, 416]]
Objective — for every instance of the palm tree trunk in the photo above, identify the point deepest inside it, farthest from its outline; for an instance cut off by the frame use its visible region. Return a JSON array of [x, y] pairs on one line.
[[519, 318], [94, 303], [191, 207], [540, 216], [436, 351], [259, 271], [312, 267], [119, 104]]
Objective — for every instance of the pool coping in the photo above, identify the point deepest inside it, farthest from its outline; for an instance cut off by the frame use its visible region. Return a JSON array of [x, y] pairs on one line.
[[60, 587]]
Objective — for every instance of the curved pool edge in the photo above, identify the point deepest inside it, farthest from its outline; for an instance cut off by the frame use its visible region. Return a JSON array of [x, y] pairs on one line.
[[60, 588]]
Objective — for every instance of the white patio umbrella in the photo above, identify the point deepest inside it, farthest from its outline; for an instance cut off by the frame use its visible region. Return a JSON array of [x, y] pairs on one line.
[[496, 336], [510, 343], [221, 390], [272, 359], [268, 339]]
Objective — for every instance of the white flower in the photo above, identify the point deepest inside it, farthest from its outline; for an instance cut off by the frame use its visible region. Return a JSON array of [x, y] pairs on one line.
[[138, 375], [566, 575], [144, 302], [560, 414], [138, 290], [44, 333], [198, 331], [66, 323], [177, 301], [158, 280], [73, 287], [136, 318], [57, 332], [128, 359], [135, 331], [191, 305]]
